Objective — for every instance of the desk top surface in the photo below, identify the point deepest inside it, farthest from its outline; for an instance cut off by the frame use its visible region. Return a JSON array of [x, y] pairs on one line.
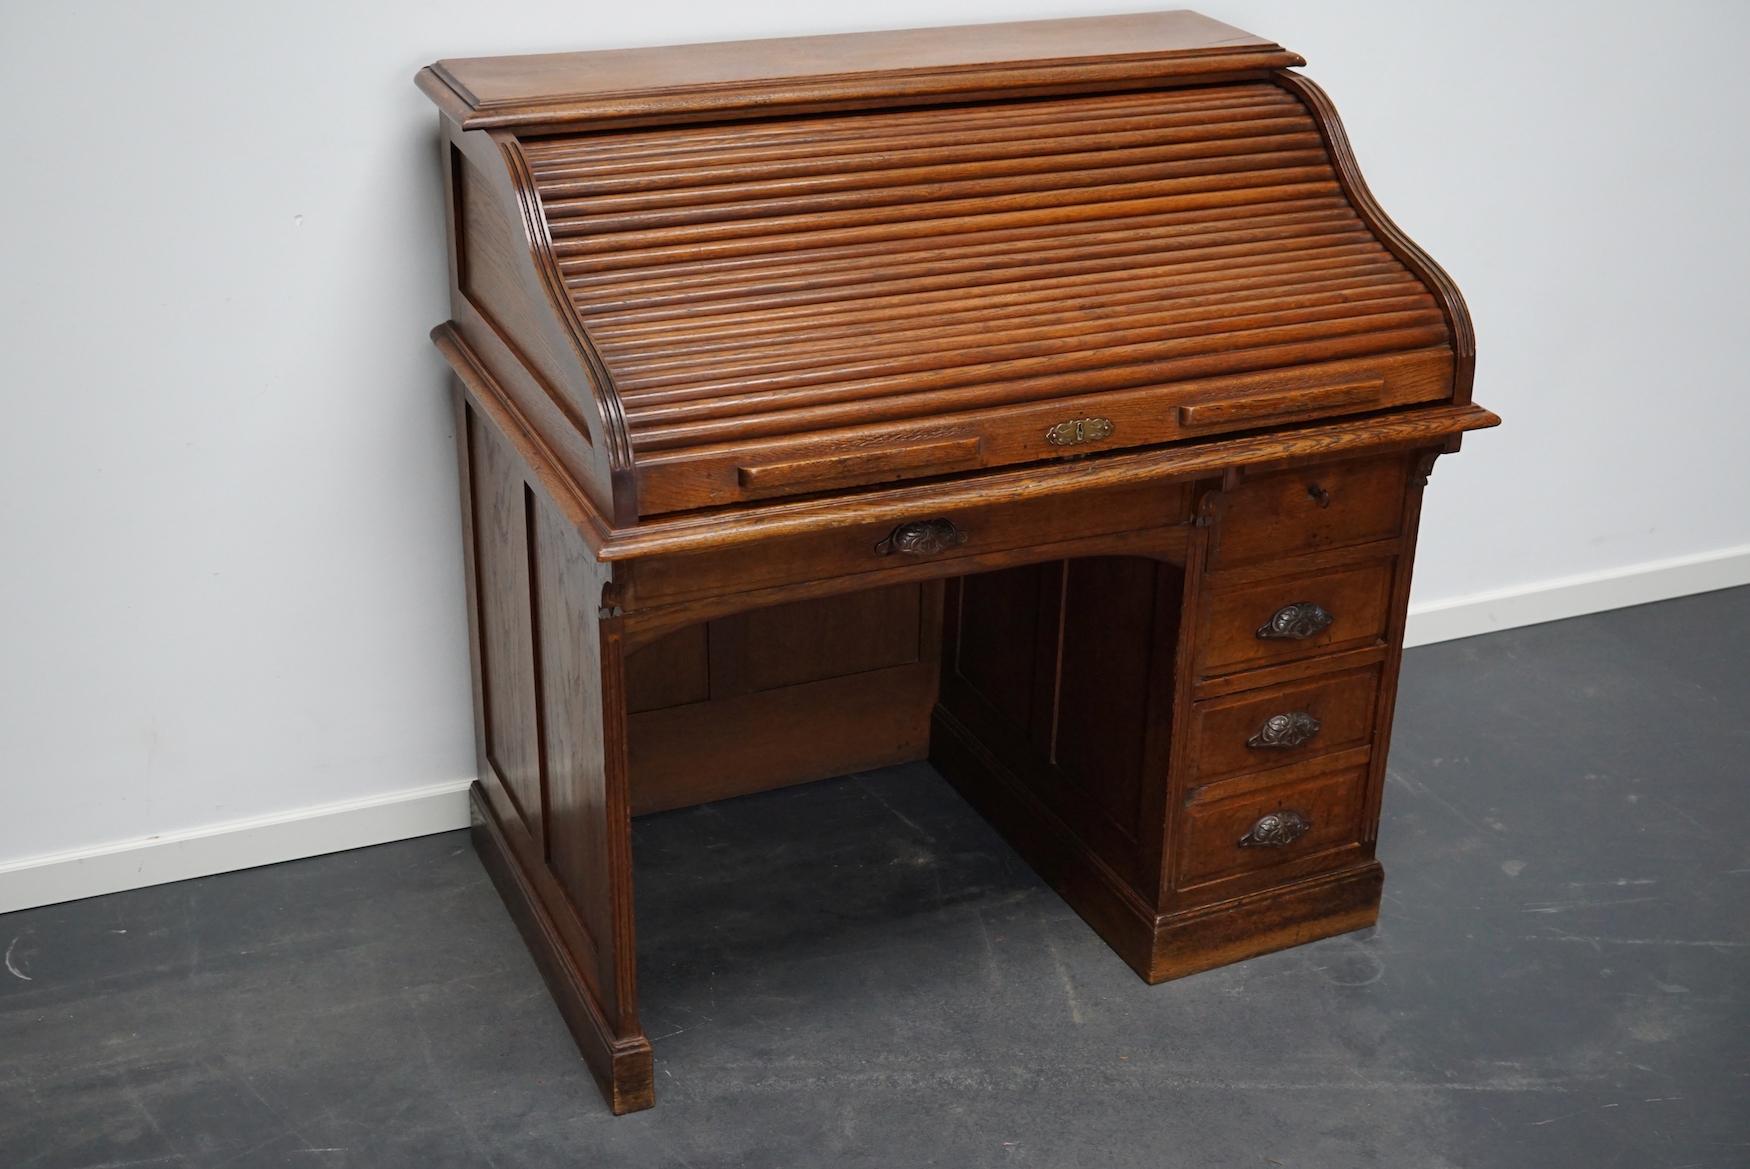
[[578, 86]]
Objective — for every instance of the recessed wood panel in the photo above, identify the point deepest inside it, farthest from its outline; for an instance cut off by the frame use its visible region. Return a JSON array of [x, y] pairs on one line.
[[995, 649], [787, 645], [1106, 699], [507, 636], [1063, 672], [673, 670], [783, 695], [577, 745]]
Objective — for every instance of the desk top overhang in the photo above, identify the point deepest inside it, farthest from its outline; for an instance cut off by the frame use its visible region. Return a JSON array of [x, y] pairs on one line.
[[766, 280]]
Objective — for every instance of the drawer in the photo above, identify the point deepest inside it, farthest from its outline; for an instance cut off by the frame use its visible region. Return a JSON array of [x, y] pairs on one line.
[[1283, 724], [1325, 505], [1285, 619], [932, 533], [1295, 826]]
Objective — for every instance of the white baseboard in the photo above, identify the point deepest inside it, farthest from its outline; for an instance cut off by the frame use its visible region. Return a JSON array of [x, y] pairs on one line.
[[1575, 596], [302, 832], [232, 844]]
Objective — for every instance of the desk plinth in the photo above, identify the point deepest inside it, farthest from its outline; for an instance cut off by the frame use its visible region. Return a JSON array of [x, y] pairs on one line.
[[797, 441]]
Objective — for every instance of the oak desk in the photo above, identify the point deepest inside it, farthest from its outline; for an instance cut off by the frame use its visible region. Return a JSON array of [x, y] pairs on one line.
[[1050, 400]]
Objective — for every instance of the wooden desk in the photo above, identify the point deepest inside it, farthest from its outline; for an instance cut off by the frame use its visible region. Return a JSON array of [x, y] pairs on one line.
[[1051, 401]]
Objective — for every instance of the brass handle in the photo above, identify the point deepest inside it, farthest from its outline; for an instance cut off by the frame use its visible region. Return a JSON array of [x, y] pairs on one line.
[[921, 538], [1290, 729], [1276, 830], [1318, 494], [1296, 622]]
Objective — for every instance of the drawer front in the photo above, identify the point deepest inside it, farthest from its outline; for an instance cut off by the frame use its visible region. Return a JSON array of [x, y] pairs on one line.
[[1285, 619], [1269, 728], [932, 534], [1291, 826], [1325, 505]]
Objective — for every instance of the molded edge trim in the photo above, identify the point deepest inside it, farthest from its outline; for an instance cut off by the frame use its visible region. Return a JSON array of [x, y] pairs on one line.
[[1419, 262], [884, 88]]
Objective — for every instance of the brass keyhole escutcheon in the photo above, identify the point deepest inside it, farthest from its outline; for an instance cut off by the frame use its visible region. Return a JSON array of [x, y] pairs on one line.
[[1079, 430]]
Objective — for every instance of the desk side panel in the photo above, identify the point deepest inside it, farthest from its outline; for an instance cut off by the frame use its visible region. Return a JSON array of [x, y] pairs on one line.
[[551, 809], [517, 332]]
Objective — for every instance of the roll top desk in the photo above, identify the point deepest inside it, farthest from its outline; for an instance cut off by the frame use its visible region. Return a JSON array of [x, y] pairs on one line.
[[1051, 401]]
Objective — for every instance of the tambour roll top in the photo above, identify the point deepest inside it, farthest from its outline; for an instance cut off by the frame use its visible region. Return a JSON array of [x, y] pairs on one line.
[[769, 295]]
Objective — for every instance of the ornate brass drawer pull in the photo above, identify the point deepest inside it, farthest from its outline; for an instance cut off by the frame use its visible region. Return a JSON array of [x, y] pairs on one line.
[[922, 538], [1276, 830], [1296, 622], [1079, 430], [1285, 730]]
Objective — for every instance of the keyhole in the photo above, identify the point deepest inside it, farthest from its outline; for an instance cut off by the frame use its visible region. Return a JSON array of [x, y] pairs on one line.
[[1319, 494]]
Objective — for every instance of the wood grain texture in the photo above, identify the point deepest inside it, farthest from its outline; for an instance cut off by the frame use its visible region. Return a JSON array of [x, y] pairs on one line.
[[784, 694], [1053, 400], [790, 281], [688, 82], [725, 529], [552, 810]]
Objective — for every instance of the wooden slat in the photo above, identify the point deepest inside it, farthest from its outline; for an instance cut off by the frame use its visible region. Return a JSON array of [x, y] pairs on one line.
[[767, 278]]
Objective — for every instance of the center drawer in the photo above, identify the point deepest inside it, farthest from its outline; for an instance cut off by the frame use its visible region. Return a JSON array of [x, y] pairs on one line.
[[932, 533]]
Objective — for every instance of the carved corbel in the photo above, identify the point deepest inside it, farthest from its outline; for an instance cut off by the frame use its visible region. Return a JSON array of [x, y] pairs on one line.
[[1423, 467]]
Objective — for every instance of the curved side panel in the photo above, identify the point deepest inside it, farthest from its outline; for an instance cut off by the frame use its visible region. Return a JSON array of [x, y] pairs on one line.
[[615, 440], [1464, 347], [503, 313]]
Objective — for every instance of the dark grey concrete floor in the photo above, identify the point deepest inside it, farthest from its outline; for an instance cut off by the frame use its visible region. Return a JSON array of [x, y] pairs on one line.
[[859, 973]]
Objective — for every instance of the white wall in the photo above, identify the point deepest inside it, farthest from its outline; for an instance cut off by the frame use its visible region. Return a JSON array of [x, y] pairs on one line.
[[231, 570]]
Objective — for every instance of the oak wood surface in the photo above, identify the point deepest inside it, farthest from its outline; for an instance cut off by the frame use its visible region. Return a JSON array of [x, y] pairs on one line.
[[1221, 730], [1356, 598], [978, 394], [710, 272], [677, 83]]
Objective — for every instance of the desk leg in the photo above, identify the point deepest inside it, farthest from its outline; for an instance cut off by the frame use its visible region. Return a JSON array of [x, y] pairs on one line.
[[551, 811]]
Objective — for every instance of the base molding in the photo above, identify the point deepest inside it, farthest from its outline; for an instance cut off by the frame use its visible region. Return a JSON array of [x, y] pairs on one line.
[[623, 1067], [1231, 931]]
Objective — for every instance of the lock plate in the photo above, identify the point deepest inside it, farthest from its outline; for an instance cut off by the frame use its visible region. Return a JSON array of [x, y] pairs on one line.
[[1079, 430]]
